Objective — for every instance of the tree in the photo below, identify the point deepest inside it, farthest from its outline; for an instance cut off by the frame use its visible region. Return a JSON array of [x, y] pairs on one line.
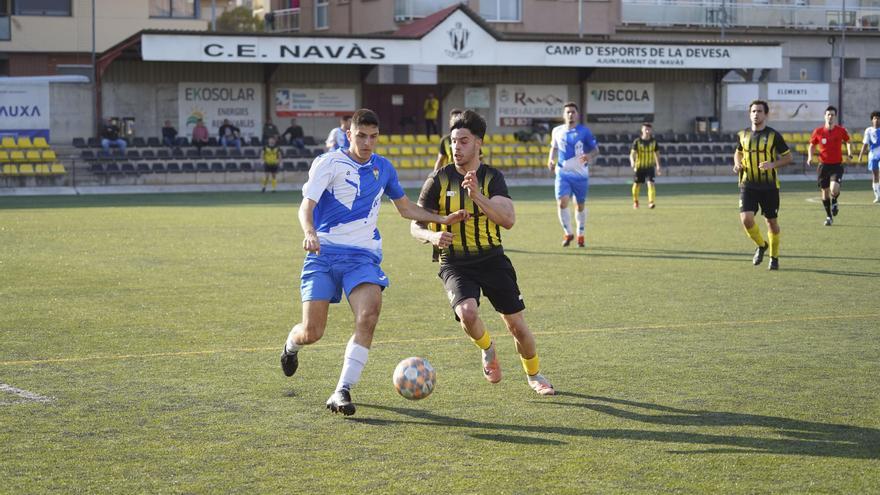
[[239, 20]]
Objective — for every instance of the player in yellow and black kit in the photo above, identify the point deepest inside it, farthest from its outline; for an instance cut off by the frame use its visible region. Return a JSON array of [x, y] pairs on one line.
[[761, 150], [444, 151], [644, 158], [472, 260], [271, 160]]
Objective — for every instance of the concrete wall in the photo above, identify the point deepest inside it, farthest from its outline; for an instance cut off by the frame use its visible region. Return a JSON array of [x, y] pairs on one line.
[[71, 107]]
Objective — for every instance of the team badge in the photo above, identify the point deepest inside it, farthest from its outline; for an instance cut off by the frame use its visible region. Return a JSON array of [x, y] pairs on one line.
[[376, 172]]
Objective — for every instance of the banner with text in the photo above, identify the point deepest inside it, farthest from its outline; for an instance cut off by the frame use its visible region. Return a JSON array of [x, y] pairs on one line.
[[297, 102], [517, 105], [24, 109], [620, 102], [799, 102], [242, 104]]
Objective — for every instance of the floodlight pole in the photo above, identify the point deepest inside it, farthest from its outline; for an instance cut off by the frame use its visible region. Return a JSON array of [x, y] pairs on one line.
[[580, 18], [213, 15], [94, 76], [842, 53]]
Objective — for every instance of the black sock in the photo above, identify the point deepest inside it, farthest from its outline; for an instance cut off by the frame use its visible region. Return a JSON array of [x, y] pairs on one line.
[[834, 200], [827, 204]]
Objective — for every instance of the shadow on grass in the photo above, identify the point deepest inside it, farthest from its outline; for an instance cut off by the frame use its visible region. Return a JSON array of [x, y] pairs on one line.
[[790, 436], [740, 256]]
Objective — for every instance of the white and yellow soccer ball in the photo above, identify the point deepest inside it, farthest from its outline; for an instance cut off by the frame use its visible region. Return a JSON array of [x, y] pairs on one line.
[[414, 378]]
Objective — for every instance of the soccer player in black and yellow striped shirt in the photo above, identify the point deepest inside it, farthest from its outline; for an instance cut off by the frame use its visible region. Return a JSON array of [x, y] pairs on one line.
[[271, 155], [760, 151], [444, 151], [472, 260], [644, 158]]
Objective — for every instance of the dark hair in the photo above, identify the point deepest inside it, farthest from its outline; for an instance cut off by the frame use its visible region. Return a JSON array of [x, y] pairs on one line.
[[831, 108], [875, 113], [571, 104], [647, 124], [760, 102], [454, 112], [471, 121], [363, 117], [345, 117]]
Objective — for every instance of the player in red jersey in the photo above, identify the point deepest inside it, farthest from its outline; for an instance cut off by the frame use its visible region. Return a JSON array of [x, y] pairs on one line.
[[830, 139]]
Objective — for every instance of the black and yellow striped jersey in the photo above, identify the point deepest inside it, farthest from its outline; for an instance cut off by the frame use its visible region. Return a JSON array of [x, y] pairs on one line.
[[478, 237], [765, 145], [445, 148], [271, 155], [645, 150]]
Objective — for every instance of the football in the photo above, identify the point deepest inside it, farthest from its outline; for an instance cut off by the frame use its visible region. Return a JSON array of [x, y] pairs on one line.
[[414, 378]]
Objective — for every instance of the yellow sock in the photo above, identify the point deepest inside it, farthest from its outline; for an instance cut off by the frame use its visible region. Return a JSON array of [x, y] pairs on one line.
[[635, 191], [652, 193], [774, 244], [274, 183], [483, 342], [755, 233], [265, 180], [531, 365]]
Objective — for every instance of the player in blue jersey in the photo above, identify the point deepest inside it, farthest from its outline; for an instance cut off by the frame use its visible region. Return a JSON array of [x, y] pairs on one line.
[[338, 215], [338, 137], [871, 142], [572, 148]]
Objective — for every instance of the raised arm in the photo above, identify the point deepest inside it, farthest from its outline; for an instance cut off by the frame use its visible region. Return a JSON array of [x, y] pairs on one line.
[[499, 209]]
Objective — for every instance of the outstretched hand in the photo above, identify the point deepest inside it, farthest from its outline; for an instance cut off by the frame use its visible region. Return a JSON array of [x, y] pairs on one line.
[[471, 185]]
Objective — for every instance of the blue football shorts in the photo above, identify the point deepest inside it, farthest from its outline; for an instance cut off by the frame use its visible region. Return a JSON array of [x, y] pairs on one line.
[[570, 184], [325, 276]]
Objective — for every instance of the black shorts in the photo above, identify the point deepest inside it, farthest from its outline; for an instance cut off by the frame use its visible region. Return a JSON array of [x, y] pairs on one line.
[[827, 173], [494, 276], [270, 169], [643, 174], [767, 199]]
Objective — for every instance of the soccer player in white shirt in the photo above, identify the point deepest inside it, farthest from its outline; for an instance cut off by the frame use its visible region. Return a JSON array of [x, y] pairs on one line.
[[338, 137], [338, 215], [871, 142]]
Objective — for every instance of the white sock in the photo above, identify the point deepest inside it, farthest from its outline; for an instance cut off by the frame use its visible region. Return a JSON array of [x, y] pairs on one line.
[[353, 364], [565, 220], [292, 346], [582, 220], [877, 190]]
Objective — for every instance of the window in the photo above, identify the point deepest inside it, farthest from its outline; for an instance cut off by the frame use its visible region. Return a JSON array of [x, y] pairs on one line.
[[183, 9], [501, 10], [42, 7], [872, 67], [321, 14], [807, 69]]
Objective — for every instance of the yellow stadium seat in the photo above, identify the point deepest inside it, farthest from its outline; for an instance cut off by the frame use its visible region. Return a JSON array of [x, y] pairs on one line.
[[406, 150], [40, 142], [10, 169], [25, 142], [507, 161], [17, 156], [805, 137], [8, 142], [496, 149], [48, 155], [521, 149], [856, 138], [4, 156], [409, 139], [381, 150], [32, 155], [422, 139], [42, 169], [510, 138], [406, 163], [800, 147], [420, 150], [497, 139], [393, 151], [534, 149], [384, 139], [522, 161], [509, 149], [538, 160], [26, 169], [57, 169], [396, 139], [788, 137]]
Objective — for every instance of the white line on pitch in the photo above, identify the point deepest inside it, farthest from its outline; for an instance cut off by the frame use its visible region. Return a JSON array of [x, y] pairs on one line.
[[24, 394]]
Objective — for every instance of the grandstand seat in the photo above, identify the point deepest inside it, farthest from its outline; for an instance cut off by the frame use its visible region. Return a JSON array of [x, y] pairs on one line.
[[393, 151], [253, 141], [32, 155], [26, 169], [705, 149], [17, 156], [250, 153], [288, 166], [158, 168], [218, 153], [191, 153], [177, 153], [217, 167], [143, 168], [406, 163], [96, 168], [163, 154], [133, 154], [672, 161], [310, 141], [684, 160], [181, 141], [614, 161], [708, 160], [231, 167], [79, 143], [173, 167], [128, 169], [206, 153], [507, 162], [533, 149], [422, 139], [509, 149], [112, 169], [23, 142], [212, 141], [40, 142], [4, 156], [8, 142], [188, 167], [10, 169], [148, 155], [234, 153], [510, 139], [247, 167], [48, 155], [57, 169], [406, 151], [383, 139], [202, 167], [395, 139], [302, 166], [420, 150], [42, 169], [409, 139], [522, 162], [139, 142], [94, 142], [153, 142]]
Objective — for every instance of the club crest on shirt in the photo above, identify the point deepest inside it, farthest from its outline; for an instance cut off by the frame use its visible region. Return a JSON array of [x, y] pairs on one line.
[[450, 194], [376, 173]]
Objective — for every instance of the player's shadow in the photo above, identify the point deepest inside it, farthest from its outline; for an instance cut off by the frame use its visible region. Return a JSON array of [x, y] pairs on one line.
[[789, 436], [839, 273]]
